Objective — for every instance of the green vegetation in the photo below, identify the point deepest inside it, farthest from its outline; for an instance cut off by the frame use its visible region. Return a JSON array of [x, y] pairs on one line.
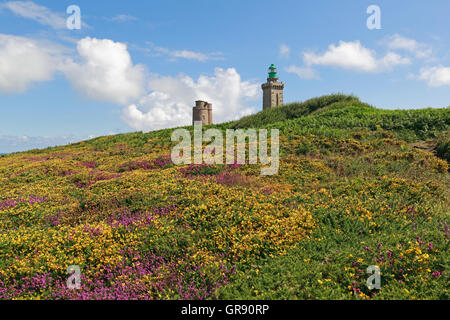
[[357, 186]]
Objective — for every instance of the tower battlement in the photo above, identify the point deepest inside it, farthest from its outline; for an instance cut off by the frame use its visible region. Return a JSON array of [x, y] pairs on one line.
[[202, 112]]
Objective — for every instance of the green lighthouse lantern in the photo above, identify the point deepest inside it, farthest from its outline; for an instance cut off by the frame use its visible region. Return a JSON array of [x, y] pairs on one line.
[[272, 71]]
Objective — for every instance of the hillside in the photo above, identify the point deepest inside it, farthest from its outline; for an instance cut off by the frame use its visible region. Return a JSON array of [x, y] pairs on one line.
[[357, 186]]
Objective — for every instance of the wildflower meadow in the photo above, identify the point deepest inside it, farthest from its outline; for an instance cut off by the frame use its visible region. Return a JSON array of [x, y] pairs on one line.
[[357, 186]]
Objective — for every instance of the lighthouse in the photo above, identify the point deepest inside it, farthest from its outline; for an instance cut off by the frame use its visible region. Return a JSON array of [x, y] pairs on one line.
[[272, 90]]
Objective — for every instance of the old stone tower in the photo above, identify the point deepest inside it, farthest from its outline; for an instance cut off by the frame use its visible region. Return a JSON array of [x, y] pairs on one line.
[[202, 112], [272, 90]]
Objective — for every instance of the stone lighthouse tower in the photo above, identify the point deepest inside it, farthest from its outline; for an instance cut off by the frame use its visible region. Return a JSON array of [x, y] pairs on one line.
[[272, 90], [202, 112]]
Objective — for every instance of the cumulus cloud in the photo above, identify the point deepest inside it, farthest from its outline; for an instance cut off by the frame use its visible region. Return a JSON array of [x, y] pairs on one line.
[[40, 14], [436, 76], [305, 73], [398, 42], [172, 98], [24, 61], [285, 51], [102, 70], [356, 57], [105, 72]]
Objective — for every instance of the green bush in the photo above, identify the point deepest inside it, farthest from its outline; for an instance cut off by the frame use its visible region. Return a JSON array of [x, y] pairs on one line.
[[291, 111], [443, 148]]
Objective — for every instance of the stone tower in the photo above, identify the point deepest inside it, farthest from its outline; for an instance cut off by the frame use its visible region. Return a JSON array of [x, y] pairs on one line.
[[202, 112], [272, 90]]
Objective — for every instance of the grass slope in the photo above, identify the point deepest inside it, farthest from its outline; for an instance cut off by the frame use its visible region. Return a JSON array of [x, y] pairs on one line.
[[355, 188]]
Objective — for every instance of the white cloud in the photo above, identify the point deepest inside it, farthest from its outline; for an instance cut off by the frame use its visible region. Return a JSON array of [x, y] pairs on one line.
[[24, 61], [22, 143], [397, 42], [183, 54], [103, 69], [123, 18], [285, 51], [172, 98], [390, 60], [354, 56], [186, 54], [436, 76], [42, 15], [106, 72], [303, 72], [10, 143]]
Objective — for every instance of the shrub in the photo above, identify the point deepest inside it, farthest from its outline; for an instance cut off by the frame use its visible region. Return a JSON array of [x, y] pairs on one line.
[[161, 162], [443, 148], [292, 110], [203, 169]]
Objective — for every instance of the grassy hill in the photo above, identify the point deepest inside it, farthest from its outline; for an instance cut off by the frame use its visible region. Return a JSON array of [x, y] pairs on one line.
[[357, 186]]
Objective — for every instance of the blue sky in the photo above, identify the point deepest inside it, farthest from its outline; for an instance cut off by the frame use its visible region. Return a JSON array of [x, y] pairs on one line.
[[140, 65]]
